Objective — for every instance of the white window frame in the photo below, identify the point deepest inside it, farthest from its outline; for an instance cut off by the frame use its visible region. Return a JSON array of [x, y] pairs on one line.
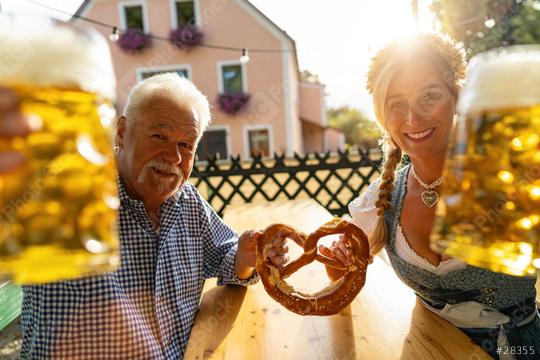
[[128, 3], [228, 146], [172, 67], [247, 128], [220, 65], [174, 18]]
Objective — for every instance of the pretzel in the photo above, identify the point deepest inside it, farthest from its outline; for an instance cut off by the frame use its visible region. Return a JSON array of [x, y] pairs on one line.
[[334, 297]]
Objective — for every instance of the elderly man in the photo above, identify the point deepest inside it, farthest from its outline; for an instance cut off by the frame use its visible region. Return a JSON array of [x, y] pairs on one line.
[[170, 239]]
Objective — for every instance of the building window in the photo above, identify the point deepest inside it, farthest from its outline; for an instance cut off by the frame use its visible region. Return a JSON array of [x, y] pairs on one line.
[[213, 143], [185, 13], [145, 74], [233, 78], [133, 16], [259, 142]]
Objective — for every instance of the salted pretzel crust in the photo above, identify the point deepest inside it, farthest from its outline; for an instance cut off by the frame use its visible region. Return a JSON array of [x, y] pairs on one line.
[[337, 295]]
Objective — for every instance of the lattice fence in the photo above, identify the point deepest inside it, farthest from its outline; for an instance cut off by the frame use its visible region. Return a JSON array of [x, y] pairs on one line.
[[333, 180]]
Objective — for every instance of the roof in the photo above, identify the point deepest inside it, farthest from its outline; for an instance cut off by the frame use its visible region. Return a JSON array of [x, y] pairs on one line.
[[331, 129], [313, 123], [82, 9], [259, 12], [321, 127]]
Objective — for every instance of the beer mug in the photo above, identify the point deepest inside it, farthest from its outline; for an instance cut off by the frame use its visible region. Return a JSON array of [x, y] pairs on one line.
[[59, 211], [490, 213]]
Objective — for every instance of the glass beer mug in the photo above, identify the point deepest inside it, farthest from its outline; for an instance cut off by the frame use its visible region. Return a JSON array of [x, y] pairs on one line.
[[490, 213], [59, 211]]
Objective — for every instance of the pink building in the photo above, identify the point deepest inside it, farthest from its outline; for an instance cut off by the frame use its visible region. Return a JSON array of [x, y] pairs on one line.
[[283, 113]]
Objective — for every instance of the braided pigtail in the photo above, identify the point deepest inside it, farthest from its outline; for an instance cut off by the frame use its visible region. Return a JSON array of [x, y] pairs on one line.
[[392, 159]]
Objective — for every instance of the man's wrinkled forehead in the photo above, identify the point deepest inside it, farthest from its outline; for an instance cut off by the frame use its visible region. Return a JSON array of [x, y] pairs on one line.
[[190, 130], [161, 107]]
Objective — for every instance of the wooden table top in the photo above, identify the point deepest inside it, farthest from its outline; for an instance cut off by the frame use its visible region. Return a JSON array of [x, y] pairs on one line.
[[385, 321]]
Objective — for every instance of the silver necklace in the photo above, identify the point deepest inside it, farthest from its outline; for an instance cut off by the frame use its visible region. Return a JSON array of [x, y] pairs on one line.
[[429, 196]]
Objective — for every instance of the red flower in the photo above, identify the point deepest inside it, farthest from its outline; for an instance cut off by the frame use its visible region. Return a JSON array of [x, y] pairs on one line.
[[187, 36], [233, 103], [133, 40]]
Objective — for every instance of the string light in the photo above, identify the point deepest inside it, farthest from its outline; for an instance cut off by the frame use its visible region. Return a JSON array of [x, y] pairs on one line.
[[489, 23], [244, 59], [114, 35]]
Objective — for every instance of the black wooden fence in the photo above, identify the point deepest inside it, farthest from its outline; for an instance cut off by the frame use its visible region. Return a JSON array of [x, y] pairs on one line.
[[332, 179]]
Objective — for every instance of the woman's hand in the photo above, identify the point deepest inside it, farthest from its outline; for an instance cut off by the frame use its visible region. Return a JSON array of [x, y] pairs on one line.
[[12, 123], [340, 251], [246, 255]]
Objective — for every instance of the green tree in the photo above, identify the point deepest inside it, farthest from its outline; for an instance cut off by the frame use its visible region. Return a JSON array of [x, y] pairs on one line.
[[359, 130], [486, 24], [308, 76]]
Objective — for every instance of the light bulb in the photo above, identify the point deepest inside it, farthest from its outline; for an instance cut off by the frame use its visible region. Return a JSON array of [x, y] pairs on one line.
[[244, 59], [114, 35], [489, 23]]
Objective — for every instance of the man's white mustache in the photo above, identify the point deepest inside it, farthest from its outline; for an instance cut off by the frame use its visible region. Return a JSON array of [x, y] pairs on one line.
[[162, 166]]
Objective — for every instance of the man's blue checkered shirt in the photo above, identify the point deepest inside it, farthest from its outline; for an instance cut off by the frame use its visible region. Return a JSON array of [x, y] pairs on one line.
[[144, 310]]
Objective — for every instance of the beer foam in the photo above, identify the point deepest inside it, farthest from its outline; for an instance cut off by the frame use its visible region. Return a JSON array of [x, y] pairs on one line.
[[502, 78], [44, 52]]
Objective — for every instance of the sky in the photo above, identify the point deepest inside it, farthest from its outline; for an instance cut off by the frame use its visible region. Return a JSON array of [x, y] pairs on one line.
[[336, 42], [334, 39]]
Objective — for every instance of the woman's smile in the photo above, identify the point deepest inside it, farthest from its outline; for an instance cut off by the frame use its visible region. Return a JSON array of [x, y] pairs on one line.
[[420, 136]]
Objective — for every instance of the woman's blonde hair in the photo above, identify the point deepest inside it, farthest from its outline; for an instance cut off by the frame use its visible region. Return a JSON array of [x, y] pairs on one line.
[[447, 56]]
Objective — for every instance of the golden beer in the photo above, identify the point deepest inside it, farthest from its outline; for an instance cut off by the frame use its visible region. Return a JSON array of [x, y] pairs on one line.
[[59, 211], [490, 213]]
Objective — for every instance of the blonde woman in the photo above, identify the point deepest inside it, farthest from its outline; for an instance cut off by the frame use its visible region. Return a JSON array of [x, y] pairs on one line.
[[415, 86]]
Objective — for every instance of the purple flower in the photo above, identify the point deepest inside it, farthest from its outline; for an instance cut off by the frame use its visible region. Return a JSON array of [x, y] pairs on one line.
[[187, 36], [133, 40], [233, 103]]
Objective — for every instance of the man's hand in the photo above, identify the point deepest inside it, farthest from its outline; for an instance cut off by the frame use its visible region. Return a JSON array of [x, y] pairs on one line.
[[12, 123], [244, 264]]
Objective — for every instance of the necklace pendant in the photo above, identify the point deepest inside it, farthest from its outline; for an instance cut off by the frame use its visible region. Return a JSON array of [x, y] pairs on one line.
[[430, 198]]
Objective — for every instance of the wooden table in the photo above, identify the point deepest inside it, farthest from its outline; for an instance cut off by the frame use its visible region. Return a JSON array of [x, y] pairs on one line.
[[385, 321]]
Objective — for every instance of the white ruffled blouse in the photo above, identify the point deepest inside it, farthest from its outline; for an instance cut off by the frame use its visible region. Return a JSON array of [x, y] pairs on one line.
[[364, 215]]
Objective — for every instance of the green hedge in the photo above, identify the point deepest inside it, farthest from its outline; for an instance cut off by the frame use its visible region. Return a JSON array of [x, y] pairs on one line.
[[10, 303]]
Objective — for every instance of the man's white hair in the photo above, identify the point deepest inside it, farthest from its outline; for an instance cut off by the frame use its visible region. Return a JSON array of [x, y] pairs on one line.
[[174, 86]]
